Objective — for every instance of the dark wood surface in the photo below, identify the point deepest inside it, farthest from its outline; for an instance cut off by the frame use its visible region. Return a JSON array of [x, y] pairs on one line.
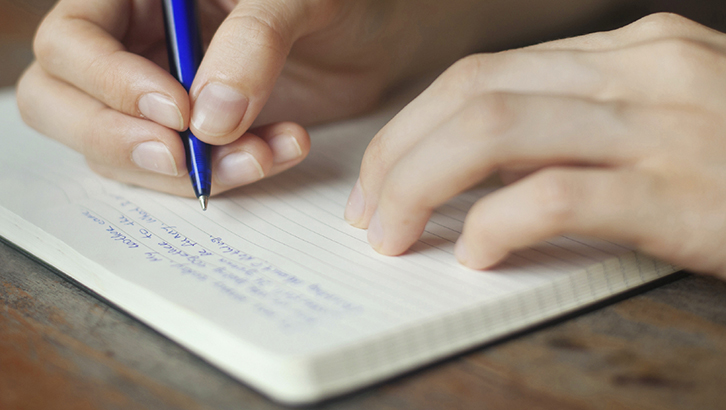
[[62, 348]]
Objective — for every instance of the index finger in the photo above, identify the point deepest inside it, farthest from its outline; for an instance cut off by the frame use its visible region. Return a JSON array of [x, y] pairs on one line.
[[80, 42]]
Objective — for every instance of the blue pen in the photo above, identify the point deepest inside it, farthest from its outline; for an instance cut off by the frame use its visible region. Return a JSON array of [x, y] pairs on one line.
[[184, 45]]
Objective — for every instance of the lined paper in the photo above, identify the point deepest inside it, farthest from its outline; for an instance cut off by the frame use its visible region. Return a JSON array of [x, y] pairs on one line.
[[277, 275]]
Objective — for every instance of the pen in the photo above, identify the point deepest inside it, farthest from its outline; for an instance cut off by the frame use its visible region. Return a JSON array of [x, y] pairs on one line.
[[184, 46]]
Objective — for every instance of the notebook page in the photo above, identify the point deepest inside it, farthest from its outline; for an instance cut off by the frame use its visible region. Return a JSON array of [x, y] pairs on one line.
[[276, 266]]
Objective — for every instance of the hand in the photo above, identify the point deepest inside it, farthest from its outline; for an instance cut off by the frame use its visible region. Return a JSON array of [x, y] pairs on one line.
[[100, 83], [622, 134]]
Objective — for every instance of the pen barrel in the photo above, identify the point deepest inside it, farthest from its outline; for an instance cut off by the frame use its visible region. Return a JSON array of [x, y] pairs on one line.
[[184, 45], [198, 158], [184, 42]]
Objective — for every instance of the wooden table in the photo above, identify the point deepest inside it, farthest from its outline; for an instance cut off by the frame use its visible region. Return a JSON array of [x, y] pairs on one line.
[[62, 348]]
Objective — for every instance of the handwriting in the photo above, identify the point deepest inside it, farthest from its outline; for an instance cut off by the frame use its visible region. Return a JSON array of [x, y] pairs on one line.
[[119, 236], [241, 278]]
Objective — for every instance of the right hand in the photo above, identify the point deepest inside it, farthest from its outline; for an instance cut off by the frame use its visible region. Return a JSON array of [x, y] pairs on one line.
[[100, 83]]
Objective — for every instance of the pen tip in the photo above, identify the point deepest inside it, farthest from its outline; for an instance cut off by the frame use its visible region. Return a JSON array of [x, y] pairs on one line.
[[204, 200]]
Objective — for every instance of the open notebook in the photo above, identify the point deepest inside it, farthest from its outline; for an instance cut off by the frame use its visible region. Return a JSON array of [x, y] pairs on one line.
[[271, 284]]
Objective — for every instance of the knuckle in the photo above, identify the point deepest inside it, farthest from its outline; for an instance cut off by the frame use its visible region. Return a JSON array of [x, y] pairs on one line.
[[402, 191], [684, 48], [90, 137], [556, 195], [463, 76], [492, 114], [479, 219], [43, 44], [261, 29], [106, 83], [408, 200], [24, 99], [487, 120], [395, 191], [686, 57], [373, 162], [658, 24], [29, 93], [102, 138]]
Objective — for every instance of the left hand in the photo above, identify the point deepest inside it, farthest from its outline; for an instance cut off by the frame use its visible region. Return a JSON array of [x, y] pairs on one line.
[[624, 133]]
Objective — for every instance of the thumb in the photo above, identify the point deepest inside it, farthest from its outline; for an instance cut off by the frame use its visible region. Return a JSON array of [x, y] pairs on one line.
[[244, 60]]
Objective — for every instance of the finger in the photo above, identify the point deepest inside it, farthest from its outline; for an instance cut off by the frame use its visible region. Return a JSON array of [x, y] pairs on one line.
[[498, 131], [394, 140], [553, 72], [257, 154], [126, 148], [289, 143], [244, 60], [101, 134], [176, 185], [623, 205], [80, 43], [261, 152], [619, 75], [554, 201], [233, 165], [547, 72]]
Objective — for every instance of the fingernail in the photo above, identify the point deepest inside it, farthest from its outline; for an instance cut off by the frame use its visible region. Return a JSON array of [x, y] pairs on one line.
[[460, 251], [154, 156], [219, 109], [356, 204], [284, 148], [238, 168], [162, 110], [375, 232]]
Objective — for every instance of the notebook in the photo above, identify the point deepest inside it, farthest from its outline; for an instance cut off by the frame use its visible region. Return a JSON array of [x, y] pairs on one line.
[[271, 285]]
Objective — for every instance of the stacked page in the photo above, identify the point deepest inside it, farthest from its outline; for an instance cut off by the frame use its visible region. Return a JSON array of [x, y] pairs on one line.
[[271, 284]]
